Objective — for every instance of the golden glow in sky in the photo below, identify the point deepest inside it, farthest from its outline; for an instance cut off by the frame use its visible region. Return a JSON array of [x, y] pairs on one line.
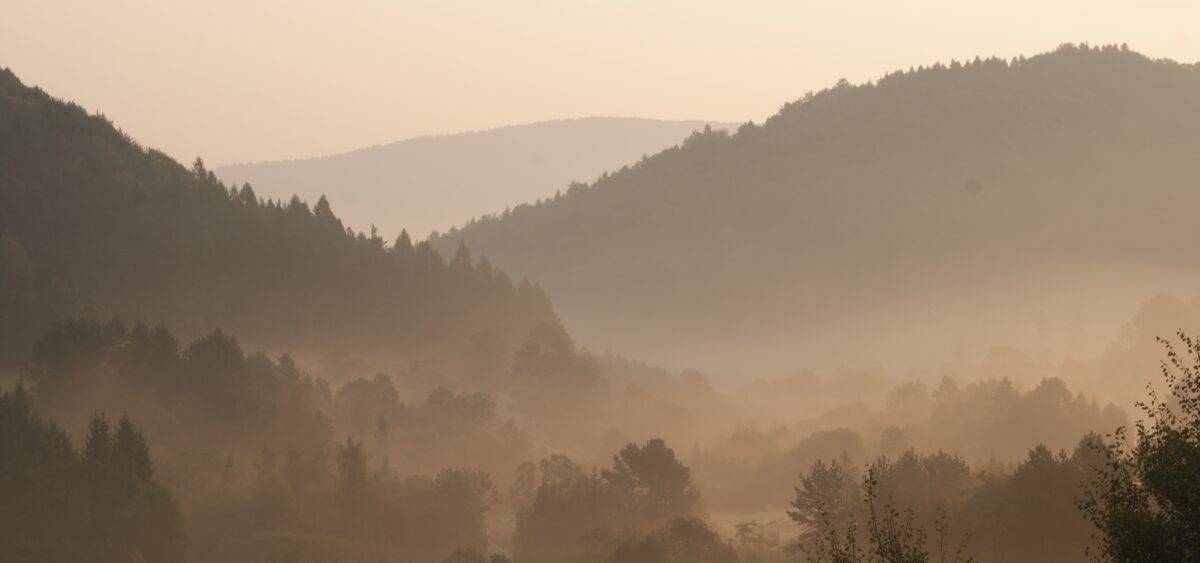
[[237, 81]]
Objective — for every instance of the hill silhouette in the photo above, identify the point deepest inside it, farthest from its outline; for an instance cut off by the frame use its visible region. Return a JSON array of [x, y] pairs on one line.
[[431, 183], [1034, 201], [93, 224]]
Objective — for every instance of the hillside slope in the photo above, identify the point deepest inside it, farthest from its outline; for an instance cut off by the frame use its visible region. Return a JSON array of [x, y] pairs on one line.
[[946, 209], [432, 183], [93, 224]]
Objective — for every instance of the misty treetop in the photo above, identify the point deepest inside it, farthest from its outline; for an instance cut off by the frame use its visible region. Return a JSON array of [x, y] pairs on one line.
[[210, 398], [247, 444], [987, 423], [1026, 514], [566, 513], [1130, 495], [209, 393], [93, 224]]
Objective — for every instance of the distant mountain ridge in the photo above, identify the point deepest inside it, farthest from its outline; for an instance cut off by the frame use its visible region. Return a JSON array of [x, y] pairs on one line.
[[434, 182], [1034, 201]]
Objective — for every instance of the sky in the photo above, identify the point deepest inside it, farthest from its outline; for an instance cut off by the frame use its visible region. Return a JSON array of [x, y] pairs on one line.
[[243, 81]]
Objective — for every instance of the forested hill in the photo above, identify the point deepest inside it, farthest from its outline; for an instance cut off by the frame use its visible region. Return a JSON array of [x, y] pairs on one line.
[[93, 224], [432, 183], [990, 200]]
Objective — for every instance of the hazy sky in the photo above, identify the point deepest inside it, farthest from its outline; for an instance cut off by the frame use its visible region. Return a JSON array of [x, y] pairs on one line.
[[237, 81]]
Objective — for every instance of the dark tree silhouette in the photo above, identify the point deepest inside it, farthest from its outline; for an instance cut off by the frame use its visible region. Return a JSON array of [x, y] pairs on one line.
[[103, 504], [1146, 499]]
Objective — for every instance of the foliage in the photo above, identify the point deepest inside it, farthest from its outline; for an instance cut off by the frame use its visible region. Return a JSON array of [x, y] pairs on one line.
[[567, 514], [207, 394], [245, 442], [997, 417], [890, 536], [659, 484], [1030, 514], [1146, 499], [828, 496], [683, 540], [103, 504]]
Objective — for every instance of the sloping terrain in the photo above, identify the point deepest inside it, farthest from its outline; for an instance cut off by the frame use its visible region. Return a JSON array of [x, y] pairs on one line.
[[943, 209]]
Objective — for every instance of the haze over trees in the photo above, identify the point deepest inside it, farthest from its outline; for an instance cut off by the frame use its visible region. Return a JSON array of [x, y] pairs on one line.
[[246, 446], [1035, 201]]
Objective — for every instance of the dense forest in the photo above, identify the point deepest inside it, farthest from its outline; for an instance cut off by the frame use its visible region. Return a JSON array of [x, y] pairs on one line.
[[93, 224], [1035, 201], [432, 183]]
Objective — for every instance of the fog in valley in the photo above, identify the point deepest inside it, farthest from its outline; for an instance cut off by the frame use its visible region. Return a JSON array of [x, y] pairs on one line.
[[942, 310]]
